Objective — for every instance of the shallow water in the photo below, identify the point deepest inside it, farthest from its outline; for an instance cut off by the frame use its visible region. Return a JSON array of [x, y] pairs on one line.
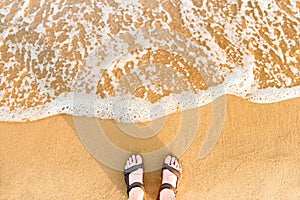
[[139, 60]]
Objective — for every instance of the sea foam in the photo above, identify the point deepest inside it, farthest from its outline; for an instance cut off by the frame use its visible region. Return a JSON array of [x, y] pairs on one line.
[[132, 61]]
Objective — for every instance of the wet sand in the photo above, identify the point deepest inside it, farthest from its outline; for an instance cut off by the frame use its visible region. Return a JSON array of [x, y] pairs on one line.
[[256, 157]]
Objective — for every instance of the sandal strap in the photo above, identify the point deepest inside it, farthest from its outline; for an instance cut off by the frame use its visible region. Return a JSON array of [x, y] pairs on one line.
[[133, 185], [167, 186], [171, 169], [133, 168]]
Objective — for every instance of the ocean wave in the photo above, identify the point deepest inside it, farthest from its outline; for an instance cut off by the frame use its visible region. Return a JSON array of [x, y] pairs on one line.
[[135, 61]]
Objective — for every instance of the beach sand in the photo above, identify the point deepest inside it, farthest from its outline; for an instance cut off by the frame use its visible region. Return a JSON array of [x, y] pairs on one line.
[[256, 157], [258, 153]]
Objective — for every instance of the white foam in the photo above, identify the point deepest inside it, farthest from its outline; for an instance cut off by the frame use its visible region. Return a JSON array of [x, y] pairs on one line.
[[113, 50]]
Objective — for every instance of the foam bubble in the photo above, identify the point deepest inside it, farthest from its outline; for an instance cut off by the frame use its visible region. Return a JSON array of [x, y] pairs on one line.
[[125, 61]]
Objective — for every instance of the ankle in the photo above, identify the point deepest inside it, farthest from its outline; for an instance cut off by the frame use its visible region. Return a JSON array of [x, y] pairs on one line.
[[136, 194], [167, 194]]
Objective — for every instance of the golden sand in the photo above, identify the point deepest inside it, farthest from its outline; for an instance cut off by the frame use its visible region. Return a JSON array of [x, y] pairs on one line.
[[256, 157]]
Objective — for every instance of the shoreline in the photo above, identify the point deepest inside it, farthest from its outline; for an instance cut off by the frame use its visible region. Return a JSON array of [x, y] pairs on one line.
[[261, 96], [255, 157]]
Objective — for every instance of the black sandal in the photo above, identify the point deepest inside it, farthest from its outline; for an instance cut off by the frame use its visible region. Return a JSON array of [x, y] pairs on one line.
[[127, 172], [174, 171]]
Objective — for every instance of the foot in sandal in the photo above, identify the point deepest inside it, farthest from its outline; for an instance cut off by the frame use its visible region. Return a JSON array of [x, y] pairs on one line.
[[133, 175], [171, 172]]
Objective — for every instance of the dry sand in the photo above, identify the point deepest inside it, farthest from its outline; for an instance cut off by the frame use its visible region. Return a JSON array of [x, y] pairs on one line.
[[256, 157]]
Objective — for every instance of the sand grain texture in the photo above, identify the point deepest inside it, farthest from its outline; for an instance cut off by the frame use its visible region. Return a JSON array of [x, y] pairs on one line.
[[256, 157]]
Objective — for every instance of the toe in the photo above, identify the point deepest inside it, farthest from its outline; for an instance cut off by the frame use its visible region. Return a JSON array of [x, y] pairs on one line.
[[168, 160], [134, 157], [177, 166], [130, 160], [173, 161], [139, 159]]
